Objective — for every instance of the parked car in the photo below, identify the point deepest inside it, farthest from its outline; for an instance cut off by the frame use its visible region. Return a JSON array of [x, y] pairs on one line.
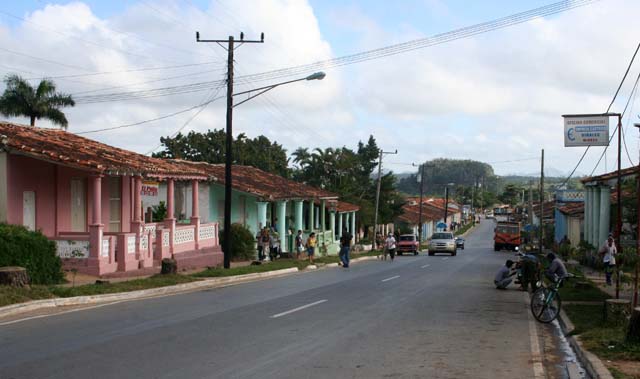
[[408, 243], [460, 243], [443, 242]]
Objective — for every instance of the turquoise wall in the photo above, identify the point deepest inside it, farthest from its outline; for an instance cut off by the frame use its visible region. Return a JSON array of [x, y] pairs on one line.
[[216, 207]]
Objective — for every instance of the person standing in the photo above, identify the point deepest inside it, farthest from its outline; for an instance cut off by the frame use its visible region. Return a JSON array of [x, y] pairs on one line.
[[390, 245], [345, 246], [299, 244], [265, 240], [608, 252], [311, 246]]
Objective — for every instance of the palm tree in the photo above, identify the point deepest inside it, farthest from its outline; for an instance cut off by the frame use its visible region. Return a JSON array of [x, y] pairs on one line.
[[21, 99]]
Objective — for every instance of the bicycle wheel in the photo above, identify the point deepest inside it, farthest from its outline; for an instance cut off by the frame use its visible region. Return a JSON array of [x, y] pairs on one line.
[[545, 305]]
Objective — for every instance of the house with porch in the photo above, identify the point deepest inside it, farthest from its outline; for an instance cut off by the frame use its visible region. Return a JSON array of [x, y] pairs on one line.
[[262, 199], [86, 196]]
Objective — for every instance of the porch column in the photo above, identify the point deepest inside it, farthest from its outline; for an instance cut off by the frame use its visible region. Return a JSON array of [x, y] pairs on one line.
[[195, 212], [605, 214], [136, 224], [170, 221], [340, 215], [587, 214], [262, 214], [595, 217], [347, 225], [312, 216], [96, 227], [299, 204], [353, 226], [282, 227], [332, 224], [323, 219]]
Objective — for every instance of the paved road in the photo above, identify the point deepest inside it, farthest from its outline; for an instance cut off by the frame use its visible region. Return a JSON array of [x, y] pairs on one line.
[[417, 317]]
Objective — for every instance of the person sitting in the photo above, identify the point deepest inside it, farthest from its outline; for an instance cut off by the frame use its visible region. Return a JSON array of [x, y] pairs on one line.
[[503, 276], [556, 270]]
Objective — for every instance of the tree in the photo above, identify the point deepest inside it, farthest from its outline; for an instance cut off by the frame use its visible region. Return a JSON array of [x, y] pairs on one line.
[[21, 99], [210, 147]]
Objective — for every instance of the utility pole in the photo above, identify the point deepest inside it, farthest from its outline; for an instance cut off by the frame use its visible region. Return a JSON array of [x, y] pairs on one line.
[[635, 279], [446, 205], [619, 203], [530, 212], [420, 204], [226, 248], [541, 231], [473, 194], [375, 222]]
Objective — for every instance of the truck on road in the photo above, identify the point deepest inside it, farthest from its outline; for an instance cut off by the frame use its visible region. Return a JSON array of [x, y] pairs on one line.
[[507, 236]]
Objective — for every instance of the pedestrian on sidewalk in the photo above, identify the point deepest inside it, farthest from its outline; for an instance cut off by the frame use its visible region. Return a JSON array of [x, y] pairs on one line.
[[390, 245], [345, 246], [503, 276], [608, 252], [311, 246], [299, 244], [265, 243]]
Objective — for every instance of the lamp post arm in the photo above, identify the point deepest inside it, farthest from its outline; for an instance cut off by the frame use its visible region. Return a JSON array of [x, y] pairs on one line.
[[255, 95]]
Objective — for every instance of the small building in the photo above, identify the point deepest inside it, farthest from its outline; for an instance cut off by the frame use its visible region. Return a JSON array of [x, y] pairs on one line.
[[86, 196]]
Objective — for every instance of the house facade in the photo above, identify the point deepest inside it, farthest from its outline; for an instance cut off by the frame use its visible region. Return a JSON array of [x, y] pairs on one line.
[[86, 196]]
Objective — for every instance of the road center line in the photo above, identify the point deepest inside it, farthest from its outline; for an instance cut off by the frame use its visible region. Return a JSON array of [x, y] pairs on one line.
[[391, 278], [298, 309], [425, 266], [445, 258]]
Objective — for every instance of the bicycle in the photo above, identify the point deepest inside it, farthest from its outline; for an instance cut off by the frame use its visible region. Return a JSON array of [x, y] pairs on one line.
[[546, 302]]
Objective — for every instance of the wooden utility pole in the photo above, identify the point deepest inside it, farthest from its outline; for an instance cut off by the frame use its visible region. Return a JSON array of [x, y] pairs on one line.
[[226, 244], [541, 229], [420, 204], [619, 204], [375, 218]]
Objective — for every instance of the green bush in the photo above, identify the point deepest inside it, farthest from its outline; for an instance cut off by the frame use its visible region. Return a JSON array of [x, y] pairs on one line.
[[242, 243], [31, 250]]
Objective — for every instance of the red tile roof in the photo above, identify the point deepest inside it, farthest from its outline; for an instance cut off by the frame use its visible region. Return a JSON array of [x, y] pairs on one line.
[[64, 148], [263, 184], [629, 171], [347, 207], [572, 209], [411, 213]]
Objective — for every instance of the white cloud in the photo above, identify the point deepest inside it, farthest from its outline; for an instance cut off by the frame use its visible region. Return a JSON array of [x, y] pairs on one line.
[[493, 97]]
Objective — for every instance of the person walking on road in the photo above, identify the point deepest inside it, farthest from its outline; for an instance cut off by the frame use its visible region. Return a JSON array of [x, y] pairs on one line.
[[608, 252], [311, 246], [345, 246], [390, 245], [299, 244], [503, 276]]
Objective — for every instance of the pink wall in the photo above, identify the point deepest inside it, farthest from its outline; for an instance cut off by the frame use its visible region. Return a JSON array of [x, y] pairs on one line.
[[52, 186], [26, 174]]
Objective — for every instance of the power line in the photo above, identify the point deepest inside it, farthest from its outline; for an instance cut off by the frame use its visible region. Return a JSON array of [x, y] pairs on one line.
[[624, 77], [390, 50], [151, 120]]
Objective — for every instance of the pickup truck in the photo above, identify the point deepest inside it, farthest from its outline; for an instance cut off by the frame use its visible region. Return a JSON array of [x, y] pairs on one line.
[[408, 243]]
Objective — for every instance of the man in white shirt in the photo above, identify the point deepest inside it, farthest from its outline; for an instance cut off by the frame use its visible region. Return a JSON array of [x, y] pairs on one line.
[[608, 252], [390, 244]]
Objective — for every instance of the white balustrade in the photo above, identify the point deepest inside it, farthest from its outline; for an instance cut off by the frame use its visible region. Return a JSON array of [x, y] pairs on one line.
[[184, 235], [207, 232], [165, 238], [131, 244], [105, 248], [72, 249]]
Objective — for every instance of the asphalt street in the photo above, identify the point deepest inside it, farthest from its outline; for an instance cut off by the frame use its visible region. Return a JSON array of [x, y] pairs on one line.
[[416, 317]]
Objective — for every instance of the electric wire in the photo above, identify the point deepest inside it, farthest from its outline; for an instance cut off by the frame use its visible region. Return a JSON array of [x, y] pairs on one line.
[[422, 43], [608, 109]]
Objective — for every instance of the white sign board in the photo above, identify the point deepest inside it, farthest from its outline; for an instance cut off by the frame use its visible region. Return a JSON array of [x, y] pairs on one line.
[[586, 131]]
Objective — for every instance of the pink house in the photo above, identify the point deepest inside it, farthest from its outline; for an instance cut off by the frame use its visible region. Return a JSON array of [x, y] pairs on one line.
[[85, 196]]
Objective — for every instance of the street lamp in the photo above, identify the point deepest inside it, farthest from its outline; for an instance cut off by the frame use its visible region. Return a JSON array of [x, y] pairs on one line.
[[420, 204], [226, 248]]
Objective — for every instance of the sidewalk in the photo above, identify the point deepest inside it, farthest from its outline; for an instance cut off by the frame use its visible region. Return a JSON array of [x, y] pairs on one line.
[[598, 277]]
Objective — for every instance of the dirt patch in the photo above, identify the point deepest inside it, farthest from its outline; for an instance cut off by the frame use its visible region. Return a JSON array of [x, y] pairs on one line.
[[631, 369]]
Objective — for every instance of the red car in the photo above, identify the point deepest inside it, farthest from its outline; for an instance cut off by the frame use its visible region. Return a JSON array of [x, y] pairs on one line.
[[408, 243]]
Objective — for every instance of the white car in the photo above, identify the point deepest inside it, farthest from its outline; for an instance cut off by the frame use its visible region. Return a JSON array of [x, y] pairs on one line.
[[443, 242]]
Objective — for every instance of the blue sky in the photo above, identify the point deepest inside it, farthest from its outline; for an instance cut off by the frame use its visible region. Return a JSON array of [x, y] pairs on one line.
[[493, 97]]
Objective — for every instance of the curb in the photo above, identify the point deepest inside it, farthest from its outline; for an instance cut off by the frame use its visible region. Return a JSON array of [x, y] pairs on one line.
[[591, 363], [15, 309]]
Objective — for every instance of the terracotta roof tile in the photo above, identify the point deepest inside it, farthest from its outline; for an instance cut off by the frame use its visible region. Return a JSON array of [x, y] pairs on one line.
[[58, 146]]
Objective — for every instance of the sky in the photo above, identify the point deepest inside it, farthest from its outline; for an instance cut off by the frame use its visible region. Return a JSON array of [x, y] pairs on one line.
[[495, 97]]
